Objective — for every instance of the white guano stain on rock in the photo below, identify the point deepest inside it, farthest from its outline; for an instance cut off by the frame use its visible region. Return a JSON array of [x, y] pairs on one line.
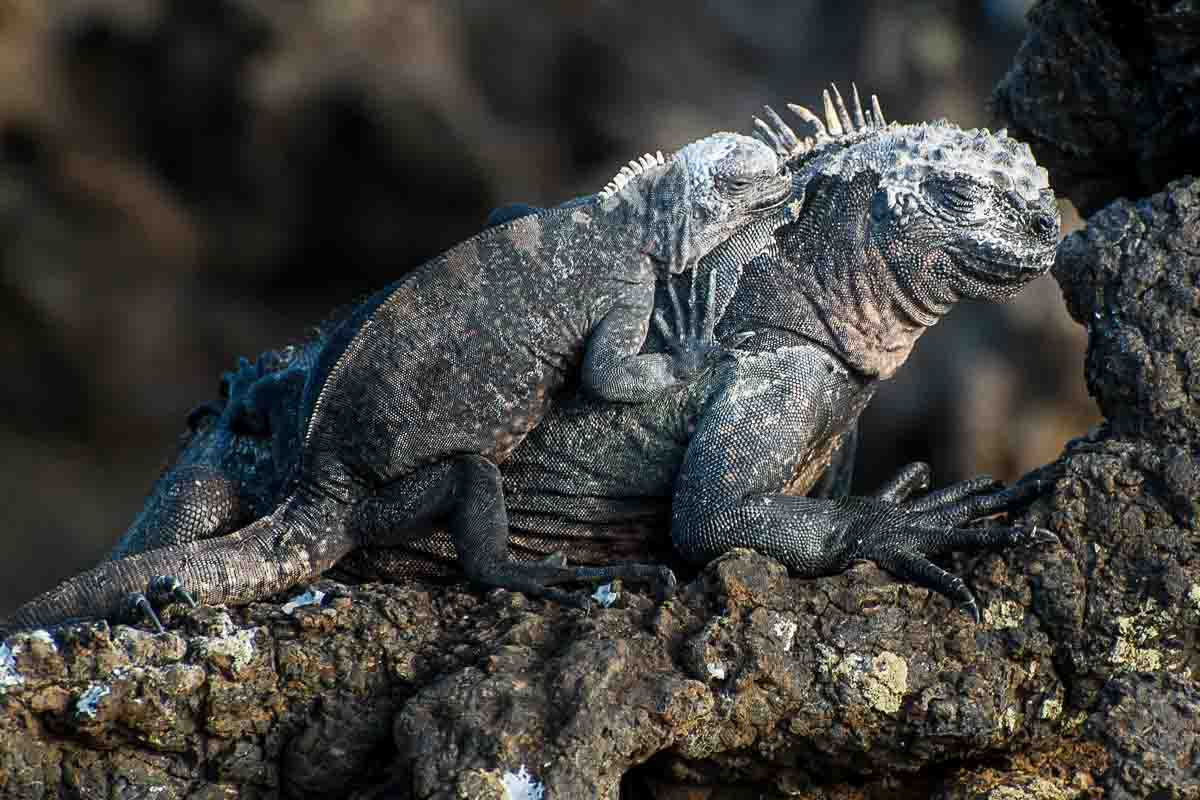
[[605, 596], [89, 701], [521, 785], [313, 597], [9, 676], [785, 631]]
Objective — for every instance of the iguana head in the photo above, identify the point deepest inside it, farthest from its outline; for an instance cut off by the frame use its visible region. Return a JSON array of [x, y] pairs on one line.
[[954, 213], [697, 198], [896, 223]]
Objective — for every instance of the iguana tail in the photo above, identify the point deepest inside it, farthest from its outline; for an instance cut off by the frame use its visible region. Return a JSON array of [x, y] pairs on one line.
[[187, 504], [297, 542]]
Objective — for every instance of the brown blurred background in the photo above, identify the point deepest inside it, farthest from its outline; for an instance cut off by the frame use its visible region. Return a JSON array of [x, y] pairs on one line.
[[184, 182]]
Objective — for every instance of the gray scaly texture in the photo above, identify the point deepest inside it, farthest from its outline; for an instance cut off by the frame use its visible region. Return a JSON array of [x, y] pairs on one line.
[[893, 225], [423, 390]]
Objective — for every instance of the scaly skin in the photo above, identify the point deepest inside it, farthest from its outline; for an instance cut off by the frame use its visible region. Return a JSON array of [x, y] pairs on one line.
[[423, 390], [895, 223]]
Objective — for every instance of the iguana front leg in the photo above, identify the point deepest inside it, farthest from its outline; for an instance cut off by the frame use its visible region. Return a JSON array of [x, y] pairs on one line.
[[768, 423], [838, 476], [614, 368]]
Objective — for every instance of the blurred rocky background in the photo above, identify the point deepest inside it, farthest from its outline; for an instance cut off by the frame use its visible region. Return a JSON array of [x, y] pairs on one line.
[[184, 182]]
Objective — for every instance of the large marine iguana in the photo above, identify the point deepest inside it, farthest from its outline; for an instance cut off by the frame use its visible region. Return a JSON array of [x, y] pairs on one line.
[[897, 223]]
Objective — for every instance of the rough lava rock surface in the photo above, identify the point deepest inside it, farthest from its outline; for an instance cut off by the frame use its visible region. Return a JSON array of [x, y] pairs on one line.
[[1082, 681], [1108, 96], [1130, 278]]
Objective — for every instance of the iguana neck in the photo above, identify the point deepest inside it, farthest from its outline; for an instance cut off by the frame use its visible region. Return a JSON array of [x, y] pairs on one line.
[[863, 313], [655, 209], [826, 279]]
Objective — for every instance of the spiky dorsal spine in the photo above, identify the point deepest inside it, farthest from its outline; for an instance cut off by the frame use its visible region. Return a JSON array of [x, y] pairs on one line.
[[629, 172], [839, 124]]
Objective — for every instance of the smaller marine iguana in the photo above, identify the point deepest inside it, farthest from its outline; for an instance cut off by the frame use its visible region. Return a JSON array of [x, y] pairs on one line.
[[896, 224], [420, 392]]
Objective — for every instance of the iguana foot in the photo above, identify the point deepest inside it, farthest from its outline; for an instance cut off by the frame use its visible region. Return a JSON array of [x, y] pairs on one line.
[[904, 534], [908, 561], [693, 344], [162, 590]]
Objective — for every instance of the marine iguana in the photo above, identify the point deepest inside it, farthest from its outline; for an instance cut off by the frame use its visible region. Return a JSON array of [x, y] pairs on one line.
[[896, 223], [423, 389]]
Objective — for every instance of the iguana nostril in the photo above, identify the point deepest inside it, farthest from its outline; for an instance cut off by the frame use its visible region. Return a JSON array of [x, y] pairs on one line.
[[1045, 223]]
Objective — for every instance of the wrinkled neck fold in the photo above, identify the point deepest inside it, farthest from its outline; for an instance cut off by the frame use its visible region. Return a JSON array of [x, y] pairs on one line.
[[852, 304]]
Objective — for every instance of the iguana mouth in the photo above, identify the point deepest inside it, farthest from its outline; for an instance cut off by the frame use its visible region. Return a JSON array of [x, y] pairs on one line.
[[995, 270]]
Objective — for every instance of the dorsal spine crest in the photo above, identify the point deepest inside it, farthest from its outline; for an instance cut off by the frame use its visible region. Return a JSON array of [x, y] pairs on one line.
[[630, 171]]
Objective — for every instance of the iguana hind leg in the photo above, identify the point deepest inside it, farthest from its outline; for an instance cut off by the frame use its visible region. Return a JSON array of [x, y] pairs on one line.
[[467, 492]]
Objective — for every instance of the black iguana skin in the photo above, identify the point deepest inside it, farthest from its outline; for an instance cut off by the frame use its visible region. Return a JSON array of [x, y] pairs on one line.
[[432, 382], [895, 223]]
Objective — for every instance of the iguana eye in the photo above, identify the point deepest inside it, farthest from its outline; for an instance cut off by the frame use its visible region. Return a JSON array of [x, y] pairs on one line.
[[957, 197], [735, 184]]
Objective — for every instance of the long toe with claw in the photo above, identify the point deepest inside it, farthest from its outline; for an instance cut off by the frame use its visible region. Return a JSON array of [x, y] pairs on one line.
[[160, 592], [166, 589], [136, 608], [905, 554], [902, 533], [914, 477]]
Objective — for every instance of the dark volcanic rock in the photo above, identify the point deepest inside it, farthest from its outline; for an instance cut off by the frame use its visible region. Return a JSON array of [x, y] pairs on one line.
[[748, 677], [1131, 278], [1151, 725], [1108, 95]]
